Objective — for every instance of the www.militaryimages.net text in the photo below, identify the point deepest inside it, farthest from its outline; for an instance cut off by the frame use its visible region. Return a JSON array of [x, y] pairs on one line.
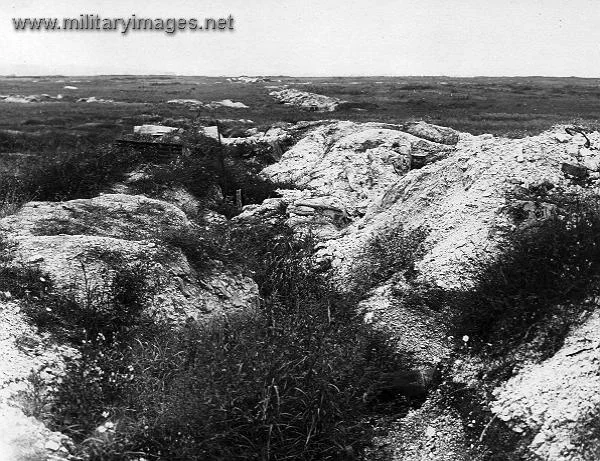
[[133, 23]]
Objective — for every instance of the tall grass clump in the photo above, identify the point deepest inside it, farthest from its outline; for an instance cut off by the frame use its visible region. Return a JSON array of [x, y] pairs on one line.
[[291, 379], [65, 176], [394, 251]]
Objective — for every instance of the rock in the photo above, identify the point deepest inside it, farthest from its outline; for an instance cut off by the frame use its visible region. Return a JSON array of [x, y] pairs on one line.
[[321, 202], [470, 193], [210, 131], [434, 133], [20, 99], [307, 101], [195, 103], [589, 159], [229, 103], [23, 438], [154, 130], [92, 99], [424, 434], [268, 141], [349, 162], [355, 184], [245, 79], [430, 431], [574, 171], [52, 445], [416, 333], [186, 102], [558, 399], [134, 217], [562, 137], [269, 211], [460, 196]]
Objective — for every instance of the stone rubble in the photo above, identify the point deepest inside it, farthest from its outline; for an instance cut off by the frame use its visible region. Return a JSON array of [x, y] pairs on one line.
[[306, 100], [92, 99], [195, 103], [246, 79], [17, 98]]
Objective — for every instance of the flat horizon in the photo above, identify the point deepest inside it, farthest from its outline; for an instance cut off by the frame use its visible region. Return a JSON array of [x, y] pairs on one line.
[[292, 76]]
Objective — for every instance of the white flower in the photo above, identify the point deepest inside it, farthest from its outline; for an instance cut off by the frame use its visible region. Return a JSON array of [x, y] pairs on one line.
[[107, 426], [105, 414], [466, 338]]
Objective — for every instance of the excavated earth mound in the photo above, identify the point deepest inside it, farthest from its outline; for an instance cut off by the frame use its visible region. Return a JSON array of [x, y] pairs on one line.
[[78, 242], [353, 182], [80, 245]]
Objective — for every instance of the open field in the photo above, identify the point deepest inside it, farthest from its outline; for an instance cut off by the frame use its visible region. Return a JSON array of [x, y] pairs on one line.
[[509, 106]]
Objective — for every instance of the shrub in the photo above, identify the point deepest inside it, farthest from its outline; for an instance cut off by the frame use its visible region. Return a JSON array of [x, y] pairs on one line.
[[392, 252], [202, 245], [13, 194], [208, 166], [65, 176], [536, 285], [544, 273], [109, 312], [17, 280], [101, 326], [84, 173]]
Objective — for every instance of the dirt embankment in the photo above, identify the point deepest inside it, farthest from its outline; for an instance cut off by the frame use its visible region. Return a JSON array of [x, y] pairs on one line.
[[353, 183], [80, 245]]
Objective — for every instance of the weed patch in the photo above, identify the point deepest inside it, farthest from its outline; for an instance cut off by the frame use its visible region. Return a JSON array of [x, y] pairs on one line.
[[65, 176], [387, 254], [288, 381]]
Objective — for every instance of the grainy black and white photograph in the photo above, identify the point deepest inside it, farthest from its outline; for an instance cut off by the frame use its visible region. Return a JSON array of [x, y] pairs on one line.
[[275, 230]]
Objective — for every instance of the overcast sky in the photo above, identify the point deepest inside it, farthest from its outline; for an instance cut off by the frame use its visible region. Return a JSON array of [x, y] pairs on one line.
[[316, 37]]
